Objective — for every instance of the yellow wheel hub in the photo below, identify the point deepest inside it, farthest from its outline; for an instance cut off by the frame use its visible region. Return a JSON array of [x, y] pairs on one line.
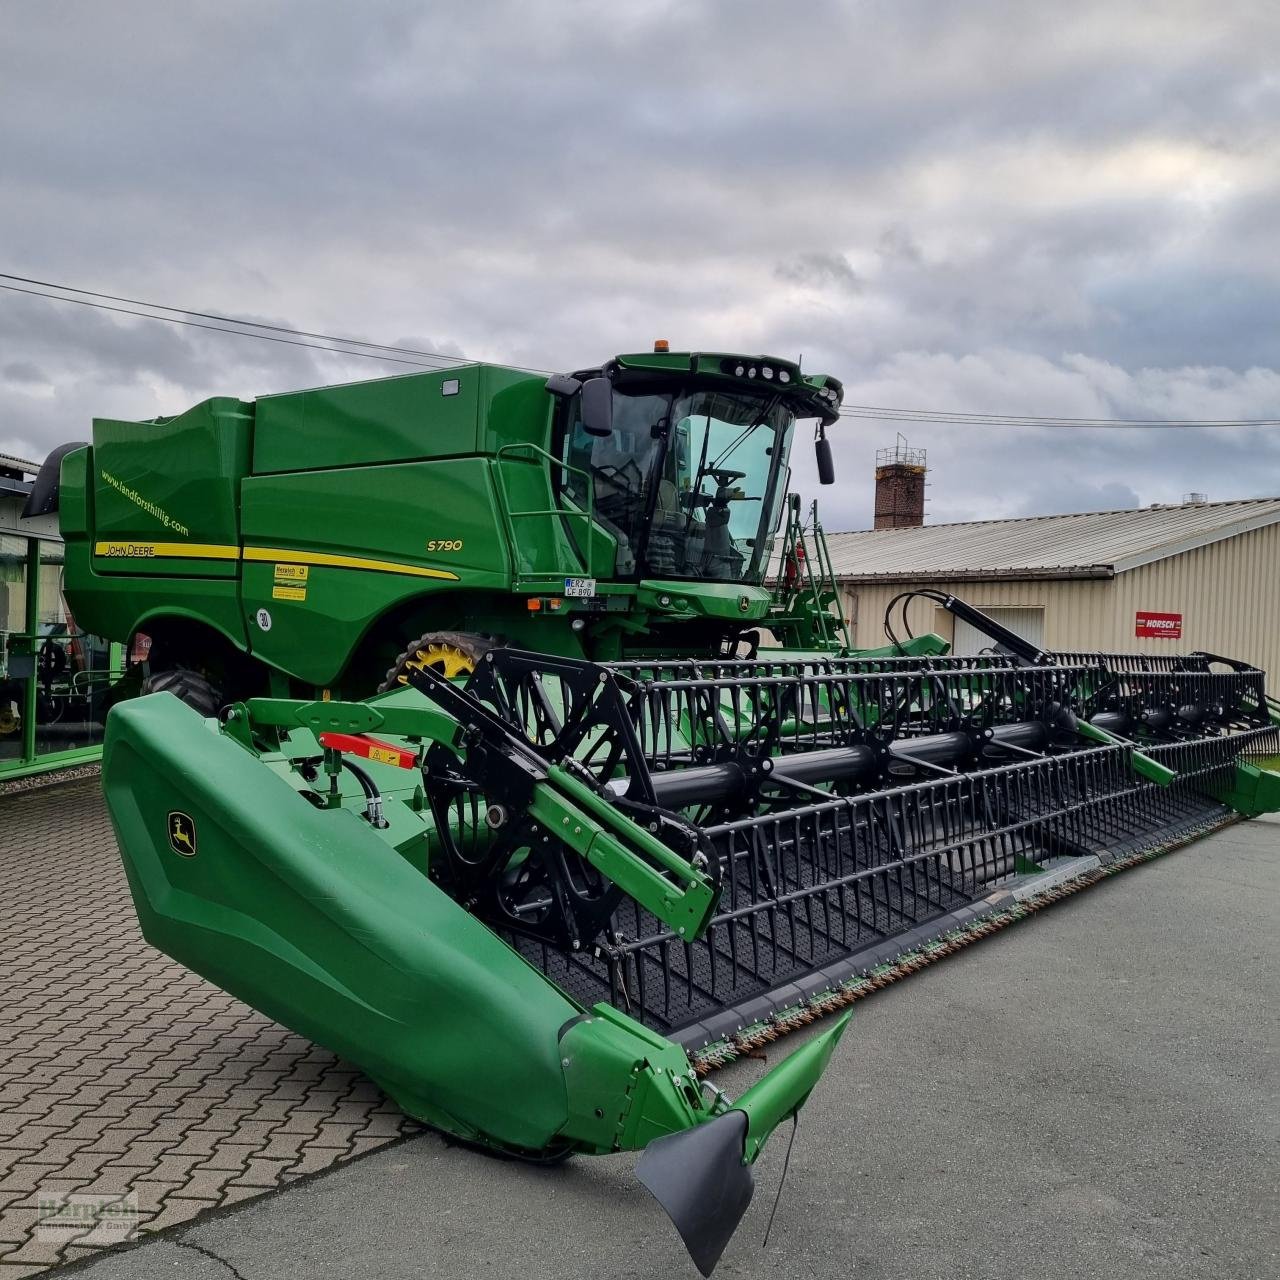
[[445, 659], [10, 721]]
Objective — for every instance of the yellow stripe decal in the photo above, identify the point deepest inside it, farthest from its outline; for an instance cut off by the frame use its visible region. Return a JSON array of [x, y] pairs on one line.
[[219, 551], [326, 560], [166, 550]]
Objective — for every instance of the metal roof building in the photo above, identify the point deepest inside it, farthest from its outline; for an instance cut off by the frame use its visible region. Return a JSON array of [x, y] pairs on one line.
[[1201, 575]]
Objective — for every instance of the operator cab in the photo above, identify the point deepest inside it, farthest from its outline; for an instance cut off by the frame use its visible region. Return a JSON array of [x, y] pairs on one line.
[[683, 458]]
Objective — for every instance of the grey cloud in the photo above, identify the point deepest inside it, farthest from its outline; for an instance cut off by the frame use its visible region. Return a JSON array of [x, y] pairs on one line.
[[1048, 498], [986, 472], [990, 207], [896, 242], [820, 271]]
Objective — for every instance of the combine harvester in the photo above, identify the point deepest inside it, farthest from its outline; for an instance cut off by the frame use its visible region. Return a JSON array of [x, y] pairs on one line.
[[526, 793]]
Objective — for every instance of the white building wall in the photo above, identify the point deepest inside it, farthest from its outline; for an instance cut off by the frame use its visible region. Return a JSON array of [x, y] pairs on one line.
[[1228, 594]]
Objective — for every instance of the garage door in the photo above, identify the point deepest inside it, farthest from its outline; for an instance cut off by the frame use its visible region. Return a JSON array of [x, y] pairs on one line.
[[1025, 622]]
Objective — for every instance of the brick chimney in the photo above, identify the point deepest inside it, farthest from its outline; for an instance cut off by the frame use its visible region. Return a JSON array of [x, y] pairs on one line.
[[900, 474]]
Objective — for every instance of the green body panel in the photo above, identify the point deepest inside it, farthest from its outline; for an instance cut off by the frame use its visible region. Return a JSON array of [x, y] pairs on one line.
[[315, 918], [391, 514], [514, 409], [173, 481], [785, 1089], [311, 918], [728, 601], [1254, 790], [472, 409], [100, 608], [110, 604], [660, 1092], [387, 420]]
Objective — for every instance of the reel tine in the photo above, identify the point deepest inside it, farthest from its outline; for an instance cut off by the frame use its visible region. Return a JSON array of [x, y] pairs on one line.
[[849, 803]]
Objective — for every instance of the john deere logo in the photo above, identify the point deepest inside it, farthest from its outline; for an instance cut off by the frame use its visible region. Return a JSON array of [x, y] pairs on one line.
[[182, 834]]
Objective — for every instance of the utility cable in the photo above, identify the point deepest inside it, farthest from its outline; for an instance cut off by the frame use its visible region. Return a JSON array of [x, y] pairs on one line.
[[926, 416], [395, 355], [239, 333], [213, 315]]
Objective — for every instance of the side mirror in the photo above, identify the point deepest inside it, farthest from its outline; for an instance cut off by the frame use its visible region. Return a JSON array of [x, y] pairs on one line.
[[562, 385], [826, 463], [597, 407]]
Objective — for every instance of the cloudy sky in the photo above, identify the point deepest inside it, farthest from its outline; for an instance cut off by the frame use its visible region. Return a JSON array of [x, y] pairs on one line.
[[1024, 208]]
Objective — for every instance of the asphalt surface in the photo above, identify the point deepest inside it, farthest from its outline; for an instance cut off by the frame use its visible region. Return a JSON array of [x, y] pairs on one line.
[[1093, 1093]]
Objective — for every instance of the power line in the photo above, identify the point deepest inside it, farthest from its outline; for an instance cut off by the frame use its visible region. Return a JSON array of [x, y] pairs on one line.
[[212, 315], [371, 351], [239, 333], [926, 416], [943, 416]]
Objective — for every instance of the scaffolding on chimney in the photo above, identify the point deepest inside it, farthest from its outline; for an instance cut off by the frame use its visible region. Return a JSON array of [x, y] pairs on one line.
[[901, 455], [900, 486]]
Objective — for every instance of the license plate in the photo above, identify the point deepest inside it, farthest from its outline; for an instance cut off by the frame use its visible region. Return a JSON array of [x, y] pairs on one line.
[[580, 587]]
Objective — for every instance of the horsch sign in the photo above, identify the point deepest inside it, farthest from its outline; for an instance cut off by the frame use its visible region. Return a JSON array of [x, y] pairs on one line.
[[1168, 625]]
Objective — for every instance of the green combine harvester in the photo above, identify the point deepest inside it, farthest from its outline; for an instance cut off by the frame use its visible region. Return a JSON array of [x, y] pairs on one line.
[[516, 756]]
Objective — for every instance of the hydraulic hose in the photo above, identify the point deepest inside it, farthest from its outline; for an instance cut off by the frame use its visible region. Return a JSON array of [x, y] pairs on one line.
[[372, 796]]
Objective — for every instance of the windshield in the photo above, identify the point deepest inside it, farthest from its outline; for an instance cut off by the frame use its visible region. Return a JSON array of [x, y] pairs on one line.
[[690, 483]]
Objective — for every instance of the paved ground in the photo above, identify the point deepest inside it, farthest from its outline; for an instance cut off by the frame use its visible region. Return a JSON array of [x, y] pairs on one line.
[[1092, 1093], [123, 1074]]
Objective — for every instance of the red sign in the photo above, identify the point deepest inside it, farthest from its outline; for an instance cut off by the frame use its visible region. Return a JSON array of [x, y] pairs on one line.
[[1168, 625]]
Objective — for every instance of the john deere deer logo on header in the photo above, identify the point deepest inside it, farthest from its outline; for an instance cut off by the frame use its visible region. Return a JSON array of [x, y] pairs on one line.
[[182, 834]]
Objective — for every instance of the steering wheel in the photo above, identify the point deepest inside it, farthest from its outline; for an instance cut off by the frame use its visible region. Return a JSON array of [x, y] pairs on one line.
[[723, 478]]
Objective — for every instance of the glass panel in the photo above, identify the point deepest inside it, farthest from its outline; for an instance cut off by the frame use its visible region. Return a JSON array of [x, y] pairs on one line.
[[13, 621], [621, 466], [13, 584], [716, 509], [690, 484], [72, 668]]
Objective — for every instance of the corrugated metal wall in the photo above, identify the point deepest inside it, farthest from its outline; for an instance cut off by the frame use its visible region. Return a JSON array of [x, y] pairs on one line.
[[1228, 594]]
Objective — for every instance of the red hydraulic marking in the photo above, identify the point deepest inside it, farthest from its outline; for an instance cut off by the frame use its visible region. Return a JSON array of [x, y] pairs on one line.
[[359, 744]]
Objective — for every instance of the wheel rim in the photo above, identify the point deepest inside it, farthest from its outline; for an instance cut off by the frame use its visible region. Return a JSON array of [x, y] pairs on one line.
[[446, 659]]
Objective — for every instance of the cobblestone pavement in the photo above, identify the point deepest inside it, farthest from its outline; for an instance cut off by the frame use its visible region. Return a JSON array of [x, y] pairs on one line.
[[121, 1074]]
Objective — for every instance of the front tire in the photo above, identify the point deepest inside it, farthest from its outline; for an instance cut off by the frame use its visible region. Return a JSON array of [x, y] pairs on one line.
[[190, 687], [452, 654]]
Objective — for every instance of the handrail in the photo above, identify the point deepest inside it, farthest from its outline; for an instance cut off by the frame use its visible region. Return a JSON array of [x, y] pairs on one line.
[[509, 516], [828, 573], [89, 677]]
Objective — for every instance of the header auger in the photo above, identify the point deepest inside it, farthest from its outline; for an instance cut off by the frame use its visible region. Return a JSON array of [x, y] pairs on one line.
[[623, 807]]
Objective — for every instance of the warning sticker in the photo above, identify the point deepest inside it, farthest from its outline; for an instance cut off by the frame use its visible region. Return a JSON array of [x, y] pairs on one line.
[[288, 593], [292, 572]]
